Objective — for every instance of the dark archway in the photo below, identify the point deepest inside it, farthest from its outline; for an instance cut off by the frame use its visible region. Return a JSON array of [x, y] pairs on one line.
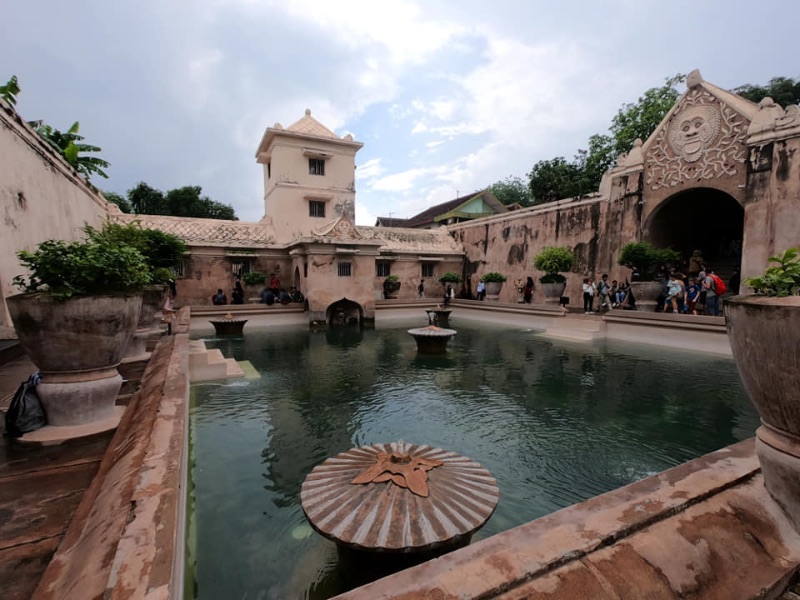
[[344, 312], [702, 219]]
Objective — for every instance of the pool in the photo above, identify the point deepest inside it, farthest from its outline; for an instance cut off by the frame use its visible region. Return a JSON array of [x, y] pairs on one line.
[[554, 422]]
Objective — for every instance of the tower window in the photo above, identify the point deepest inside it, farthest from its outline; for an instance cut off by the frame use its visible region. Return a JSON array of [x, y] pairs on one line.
[[316, 208], [316, 166]]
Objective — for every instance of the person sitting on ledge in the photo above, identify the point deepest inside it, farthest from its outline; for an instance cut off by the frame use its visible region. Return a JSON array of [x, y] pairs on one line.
[[267, 297], [219, 297], [296, 295], [283, 297]]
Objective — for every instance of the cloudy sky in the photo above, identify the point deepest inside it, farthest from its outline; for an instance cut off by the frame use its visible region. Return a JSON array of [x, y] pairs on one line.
[[448, 96]]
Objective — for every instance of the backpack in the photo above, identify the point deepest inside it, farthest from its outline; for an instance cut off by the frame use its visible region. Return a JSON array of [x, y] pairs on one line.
[[719, 285], [25, 413]]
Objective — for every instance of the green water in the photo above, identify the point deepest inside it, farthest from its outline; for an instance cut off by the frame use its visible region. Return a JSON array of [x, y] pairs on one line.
[[555, 423]]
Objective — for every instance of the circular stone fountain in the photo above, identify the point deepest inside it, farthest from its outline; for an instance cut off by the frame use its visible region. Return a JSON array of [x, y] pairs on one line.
[[228, 325], [373, 501], [432, 339], [438, 316]]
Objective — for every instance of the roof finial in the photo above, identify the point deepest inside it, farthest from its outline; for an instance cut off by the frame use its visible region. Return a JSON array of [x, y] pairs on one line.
[[694, 79], [308, 112]]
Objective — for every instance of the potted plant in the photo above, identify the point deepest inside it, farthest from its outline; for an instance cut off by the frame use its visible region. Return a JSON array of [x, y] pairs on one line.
[[391, 285], [449, 277], [78, 311], [254, 282], [764, 333], [553, 260], [162, 252], [494, 283], [645, 262]]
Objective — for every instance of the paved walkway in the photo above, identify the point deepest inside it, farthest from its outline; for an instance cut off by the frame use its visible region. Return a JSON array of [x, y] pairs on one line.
[[40, 487]]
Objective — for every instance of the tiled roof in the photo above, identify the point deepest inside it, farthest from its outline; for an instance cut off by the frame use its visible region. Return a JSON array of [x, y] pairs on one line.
[[308, 125], [205, 232], [428, 216]]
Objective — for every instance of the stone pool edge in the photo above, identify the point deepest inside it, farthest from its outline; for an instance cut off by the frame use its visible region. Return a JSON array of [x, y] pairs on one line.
[[126, 538]]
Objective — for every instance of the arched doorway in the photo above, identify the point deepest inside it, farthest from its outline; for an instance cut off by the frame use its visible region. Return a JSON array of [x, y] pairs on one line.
[[702, 219], [344, 312]]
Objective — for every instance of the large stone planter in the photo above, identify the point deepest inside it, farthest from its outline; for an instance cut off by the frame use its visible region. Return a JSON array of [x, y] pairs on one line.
[[153, 297], [553, 291], [646, 293], [764, 334], [76, 344], [493, 290]]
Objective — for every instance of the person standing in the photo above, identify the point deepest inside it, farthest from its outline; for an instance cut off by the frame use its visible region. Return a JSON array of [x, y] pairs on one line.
[[448, 294], [421, 288], [712, 299], [602, 292], [588, 296], [481, 290], [527, 292]]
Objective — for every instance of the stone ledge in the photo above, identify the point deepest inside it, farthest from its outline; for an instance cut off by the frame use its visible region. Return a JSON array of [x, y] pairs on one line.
[[674, 535]]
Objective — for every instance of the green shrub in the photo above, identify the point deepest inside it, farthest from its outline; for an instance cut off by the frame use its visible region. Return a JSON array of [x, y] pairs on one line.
[[161, 250], [449, 277], [392, 278], [783, 279], [254, 278], [493, 276], [92, 267], [645, 260], [554, 260]]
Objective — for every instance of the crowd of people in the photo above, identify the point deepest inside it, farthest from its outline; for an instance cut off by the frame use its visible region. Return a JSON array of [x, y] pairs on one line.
[[272, 293], [698, 293]]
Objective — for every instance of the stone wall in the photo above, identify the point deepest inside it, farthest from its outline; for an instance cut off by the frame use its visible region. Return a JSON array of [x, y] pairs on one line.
[[41, 197]]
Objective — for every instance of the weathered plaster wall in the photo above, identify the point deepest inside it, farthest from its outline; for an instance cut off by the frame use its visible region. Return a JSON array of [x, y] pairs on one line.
[[208, 268], [772, 215], [508, 243], [41, 198]]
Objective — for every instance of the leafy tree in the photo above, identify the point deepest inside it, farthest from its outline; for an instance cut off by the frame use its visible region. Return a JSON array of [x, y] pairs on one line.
[[187, 202], [120, 200], [784, 90], [512, 190], [146, 200], [69, 145], [9, 91], [557, 178], [180, 202]]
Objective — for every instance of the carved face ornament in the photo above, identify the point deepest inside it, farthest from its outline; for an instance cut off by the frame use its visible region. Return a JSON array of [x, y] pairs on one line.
[[691, 131]]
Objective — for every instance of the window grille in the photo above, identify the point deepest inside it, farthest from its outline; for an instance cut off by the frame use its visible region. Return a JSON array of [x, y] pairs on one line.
[[345, 269]]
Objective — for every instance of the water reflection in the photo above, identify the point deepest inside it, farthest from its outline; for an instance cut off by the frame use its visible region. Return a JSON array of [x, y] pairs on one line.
[[555, 423]]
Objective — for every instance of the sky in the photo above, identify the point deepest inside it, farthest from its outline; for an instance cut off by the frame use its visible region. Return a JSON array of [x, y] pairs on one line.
[[448, 96]]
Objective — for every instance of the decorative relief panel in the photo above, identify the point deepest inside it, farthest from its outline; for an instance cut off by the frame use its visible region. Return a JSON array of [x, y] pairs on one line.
[[703, 140]]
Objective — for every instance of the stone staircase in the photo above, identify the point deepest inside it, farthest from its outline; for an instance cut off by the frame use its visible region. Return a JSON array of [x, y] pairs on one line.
[[207, 365], [581, 328]]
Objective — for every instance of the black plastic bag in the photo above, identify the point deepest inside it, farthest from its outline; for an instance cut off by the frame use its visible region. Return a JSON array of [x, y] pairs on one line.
[[25, 413]]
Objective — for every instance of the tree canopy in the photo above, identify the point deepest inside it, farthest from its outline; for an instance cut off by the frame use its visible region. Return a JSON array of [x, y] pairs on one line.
[[784, 90], [512, 190], [186, 201], [558, 178], [561, 178]]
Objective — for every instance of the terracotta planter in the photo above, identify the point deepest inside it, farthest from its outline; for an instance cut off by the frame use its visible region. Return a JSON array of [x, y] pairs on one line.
[[493, 290], [553, 291], [764, 334], [76, 344]]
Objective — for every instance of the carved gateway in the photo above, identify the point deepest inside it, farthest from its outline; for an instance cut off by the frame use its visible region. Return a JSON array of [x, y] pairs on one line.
[[703, 139]]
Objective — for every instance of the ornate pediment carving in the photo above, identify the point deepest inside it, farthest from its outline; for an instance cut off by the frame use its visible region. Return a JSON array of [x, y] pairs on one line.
[[703, 139], [341, 228]]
